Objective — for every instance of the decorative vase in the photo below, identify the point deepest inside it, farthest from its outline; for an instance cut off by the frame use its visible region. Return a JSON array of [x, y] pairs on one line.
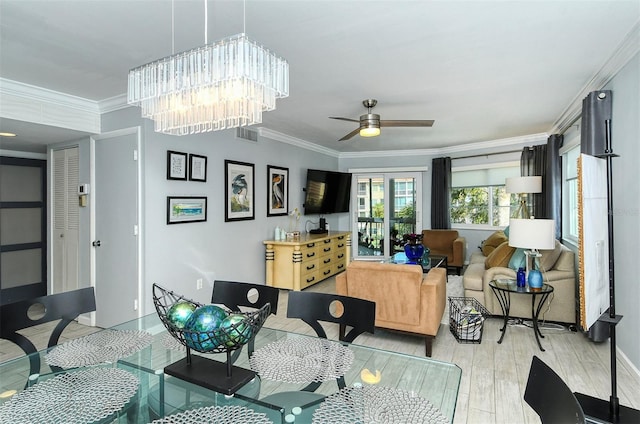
[[414, 252], [535, 279]]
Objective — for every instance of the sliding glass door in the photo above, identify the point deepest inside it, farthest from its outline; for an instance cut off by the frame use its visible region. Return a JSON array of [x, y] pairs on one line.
[[385, 207]]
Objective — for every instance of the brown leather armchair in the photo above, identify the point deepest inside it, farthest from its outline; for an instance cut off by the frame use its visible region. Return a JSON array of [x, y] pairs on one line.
[[446, 243]]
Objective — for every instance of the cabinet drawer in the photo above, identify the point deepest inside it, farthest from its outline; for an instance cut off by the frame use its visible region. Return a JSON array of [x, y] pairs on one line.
[[309, 266], [309, 279], [309, 251], [326, 271]]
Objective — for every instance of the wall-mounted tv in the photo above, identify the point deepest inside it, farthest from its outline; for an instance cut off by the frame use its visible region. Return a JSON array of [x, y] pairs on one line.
[[327, 192]]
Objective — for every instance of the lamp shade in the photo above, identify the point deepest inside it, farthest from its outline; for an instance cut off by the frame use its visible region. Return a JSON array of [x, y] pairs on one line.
[[523, 184], [532, 233]]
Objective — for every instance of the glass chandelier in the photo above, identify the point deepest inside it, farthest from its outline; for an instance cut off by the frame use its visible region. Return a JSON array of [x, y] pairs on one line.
[[226, 84]]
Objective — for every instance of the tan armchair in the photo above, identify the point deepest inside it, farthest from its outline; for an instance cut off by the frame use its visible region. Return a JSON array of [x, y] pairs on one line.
[[446, 243], [406, 299]]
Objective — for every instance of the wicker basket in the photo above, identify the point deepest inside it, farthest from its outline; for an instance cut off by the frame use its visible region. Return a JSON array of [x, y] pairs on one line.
[[224, 339]]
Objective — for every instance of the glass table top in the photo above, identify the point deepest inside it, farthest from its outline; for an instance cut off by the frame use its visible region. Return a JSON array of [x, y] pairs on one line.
[[160, 394]]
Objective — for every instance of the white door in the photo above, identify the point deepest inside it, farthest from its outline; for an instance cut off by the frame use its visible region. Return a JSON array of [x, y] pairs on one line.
[[66, 214], [116, 240], [385, 207]]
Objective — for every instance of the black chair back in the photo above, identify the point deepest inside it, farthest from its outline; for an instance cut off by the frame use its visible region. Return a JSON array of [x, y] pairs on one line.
[[234, 294], [313, 307], [550, 397], [64, 306]]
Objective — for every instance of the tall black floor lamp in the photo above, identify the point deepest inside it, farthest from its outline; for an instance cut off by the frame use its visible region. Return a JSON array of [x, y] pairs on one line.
[[611, 411]]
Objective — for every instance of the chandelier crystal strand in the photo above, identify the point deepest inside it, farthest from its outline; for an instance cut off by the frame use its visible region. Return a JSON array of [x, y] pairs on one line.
[[226, 84]]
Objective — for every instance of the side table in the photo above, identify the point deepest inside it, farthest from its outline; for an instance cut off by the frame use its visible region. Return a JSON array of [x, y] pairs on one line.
[[503, 288]]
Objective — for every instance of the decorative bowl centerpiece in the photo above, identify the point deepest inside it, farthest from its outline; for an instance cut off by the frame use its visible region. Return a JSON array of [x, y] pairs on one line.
[[206, 328]]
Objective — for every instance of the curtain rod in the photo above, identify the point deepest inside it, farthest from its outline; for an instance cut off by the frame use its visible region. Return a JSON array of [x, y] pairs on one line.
[[487, 154]]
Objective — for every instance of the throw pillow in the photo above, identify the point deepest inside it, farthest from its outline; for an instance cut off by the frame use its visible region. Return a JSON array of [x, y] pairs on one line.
[[549, 257], [494, 240], [518, 259], [500, 256]]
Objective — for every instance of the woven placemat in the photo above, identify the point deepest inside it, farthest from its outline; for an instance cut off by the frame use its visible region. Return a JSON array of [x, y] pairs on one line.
[[216, 415], [84, 396], [376, 404], [302, 360], [105, 346]]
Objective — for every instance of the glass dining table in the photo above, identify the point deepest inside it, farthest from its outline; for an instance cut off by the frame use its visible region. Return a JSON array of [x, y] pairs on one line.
[[378, 385]]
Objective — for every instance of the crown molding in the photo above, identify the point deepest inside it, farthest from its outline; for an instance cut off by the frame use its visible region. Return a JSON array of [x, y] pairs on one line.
[[113, 103], [627, 49], [278, 136], [521, 141], [39, 105]]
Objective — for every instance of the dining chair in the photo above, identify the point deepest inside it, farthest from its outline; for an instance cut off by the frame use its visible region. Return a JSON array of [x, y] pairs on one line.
[[22, 314], [550, 397], [235, 294], [314, 308]]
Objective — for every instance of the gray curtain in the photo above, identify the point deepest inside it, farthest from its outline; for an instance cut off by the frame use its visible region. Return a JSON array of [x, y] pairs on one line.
[[441, 193], [596, 110], [552, 180], [533, 161]]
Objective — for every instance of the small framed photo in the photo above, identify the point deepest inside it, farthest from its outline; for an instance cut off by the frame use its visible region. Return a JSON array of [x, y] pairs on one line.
[[176, 165], [197, 168], [277, 190], [183, 209], [239, 191]]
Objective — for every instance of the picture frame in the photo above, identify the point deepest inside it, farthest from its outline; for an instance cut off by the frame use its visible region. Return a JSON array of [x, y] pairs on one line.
[[176, 165], [197, 168], [186, 209], [277, 190], [239, 191]]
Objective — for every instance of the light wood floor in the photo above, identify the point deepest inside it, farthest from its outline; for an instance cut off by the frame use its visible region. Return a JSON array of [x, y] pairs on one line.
[[493, 375]]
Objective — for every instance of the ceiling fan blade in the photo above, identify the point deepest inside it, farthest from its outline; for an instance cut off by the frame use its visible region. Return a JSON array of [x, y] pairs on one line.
[[344, 119], [407, 123], [351, 134]]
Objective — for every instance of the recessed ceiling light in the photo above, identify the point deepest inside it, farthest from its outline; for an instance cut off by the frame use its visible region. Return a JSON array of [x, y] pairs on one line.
[[7, 134]]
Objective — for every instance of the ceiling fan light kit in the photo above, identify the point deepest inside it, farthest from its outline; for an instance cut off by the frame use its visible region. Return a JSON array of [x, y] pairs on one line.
[[370, 123]]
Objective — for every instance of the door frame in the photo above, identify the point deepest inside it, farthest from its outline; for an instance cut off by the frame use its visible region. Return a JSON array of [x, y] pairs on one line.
[[386, 174], [137, 131]]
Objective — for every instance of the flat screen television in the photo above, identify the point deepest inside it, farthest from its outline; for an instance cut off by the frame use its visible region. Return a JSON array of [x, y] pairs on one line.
[[327, 192]]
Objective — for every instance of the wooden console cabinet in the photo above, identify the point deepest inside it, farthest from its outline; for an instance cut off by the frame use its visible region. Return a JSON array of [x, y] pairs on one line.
[[298, 264]]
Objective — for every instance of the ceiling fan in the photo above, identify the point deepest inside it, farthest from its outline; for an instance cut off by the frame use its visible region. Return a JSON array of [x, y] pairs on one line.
[[370, 123]]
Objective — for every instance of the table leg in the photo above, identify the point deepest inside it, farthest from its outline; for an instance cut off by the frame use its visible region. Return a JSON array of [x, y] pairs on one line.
[[535, 312], [504, 299]]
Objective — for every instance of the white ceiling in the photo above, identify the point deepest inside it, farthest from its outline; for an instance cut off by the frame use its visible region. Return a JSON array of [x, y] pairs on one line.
[[483, 70]]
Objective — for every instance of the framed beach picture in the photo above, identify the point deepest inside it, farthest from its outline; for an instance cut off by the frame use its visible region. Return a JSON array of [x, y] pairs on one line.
[[183, 209], [197, 168], [176, 165], [277, 190], [239, 191]]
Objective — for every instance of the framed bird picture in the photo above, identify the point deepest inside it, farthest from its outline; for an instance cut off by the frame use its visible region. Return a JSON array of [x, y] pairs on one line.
[[277, 190], [239, 191]]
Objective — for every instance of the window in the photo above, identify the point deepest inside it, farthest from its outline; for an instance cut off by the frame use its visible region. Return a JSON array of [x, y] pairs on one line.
[[570, 155], [478, 196]]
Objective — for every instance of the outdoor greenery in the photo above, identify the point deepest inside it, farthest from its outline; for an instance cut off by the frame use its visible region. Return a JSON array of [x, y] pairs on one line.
[[470, 205]]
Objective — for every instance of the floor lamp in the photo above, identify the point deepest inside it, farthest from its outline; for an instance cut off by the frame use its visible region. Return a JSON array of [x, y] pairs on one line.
[[523, 186]]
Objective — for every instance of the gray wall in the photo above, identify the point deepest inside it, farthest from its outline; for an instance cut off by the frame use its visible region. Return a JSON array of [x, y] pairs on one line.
[[177, 255], [625, 130]]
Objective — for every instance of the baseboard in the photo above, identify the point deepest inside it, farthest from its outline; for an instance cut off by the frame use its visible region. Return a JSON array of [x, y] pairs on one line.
[[627, 361], [85, 319]]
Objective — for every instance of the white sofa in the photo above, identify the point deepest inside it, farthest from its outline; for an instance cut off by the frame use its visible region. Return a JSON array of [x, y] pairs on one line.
[[558, 267]]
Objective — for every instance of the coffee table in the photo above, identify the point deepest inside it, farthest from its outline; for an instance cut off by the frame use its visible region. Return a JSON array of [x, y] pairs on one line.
[[427, 262]]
